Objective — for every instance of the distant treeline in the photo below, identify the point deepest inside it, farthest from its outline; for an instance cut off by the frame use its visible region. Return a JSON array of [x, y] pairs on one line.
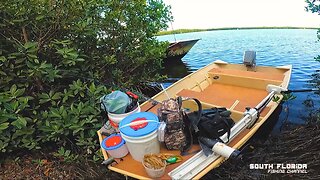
[[180, 31]]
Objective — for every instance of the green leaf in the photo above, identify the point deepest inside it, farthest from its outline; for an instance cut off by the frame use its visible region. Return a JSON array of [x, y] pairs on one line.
[[44, 97], [61, 151], [80, 59], [92, 87], [54, 113], [31, 46], [56, 96], [3, 73], [32, 56], [19, 92], [18, 20], [3, 59], [23, 132], [13, 89], [42, 101], [20, 122], [39, 17], [8, 106], [73, 54], [4, 126], [67, 153], [14, 105], [276, 99]]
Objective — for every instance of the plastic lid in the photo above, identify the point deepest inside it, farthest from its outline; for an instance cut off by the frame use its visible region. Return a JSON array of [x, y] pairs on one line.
[[139, 126], [141, 129], [112, 142]]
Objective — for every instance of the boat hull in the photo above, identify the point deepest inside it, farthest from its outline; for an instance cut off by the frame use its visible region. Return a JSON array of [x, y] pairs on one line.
[[219, 84], [177, 50]]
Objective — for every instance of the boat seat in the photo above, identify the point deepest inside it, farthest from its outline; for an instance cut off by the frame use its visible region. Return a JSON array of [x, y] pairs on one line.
[[251, 79], [212, 99], [225, 96], [249, 74]]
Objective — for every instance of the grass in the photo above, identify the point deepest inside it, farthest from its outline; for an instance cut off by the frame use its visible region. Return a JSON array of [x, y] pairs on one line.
[[180, 31]]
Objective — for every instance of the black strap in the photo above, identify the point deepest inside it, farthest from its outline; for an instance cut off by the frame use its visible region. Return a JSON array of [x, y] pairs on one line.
[[179, 101], [196, 121], [104, 114], [188, 128], [229, 129]]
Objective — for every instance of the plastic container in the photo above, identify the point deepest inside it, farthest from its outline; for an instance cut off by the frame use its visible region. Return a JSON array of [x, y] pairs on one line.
[[139, 130], [115, 146], [155, 173], [115, 119]]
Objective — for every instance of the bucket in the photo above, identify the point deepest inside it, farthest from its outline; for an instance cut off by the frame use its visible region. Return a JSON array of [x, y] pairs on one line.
[[139, 130], [154, 173], [115, 119], [115, 146]]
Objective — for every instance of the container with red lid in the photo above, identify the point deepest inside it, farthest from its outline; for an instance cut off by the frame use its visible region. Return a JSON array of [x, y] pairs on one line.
[[139, 130], [115, 146]]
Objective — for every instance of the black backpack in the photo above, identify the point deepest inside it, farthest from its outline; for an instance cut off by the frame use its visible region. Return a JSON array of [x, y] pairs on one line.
[[212, 123]]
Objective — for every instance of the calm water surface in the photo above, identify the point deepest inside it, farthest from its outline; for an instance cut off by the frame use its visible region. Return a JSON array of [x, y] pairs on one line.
[[274, 47]]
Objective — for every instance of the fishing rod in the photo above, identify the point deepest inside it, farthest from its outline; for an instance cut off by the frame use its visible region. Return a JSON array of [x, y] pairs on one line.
[[300, 90], [154, 102], [279, 89], [200, 161]]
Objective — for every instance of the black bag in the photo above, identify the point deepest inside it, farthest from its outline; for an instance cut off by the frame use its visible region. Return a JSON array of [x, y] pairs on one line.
[[212, 123]]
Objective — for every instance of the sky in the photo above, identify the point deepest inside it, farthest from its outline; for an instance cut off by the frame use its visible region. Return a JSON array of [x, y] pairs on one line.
[[202, 14]]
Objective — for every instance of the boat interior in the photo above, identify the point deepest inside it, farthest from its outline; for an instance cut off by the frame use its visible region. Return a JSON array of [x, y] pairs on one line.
[[234, 86]]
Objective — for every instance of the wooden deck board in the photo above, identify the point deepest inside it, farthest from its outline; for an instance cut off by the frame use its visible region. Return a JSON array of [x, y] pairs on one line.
[[248, 74]]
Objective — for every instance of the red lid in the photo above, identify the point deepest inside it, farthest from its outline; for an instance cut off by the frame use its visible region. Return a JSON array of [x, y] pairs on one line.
[[139, 126], [113, 141]]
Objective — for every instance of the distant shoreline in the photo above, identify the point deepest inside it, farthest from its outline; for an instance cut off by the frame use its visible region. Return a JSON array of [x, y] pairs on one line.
[[180, 31]]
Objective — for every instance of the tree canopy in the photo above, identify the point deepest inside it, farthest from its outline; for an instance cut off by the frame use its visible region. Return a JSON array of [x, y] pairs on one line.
[[313, 6], [58, 57]]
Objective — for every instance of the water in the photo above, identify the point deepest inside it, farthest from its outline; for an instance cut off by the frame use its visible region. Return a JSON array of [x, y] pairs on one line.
[[274, 47]]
